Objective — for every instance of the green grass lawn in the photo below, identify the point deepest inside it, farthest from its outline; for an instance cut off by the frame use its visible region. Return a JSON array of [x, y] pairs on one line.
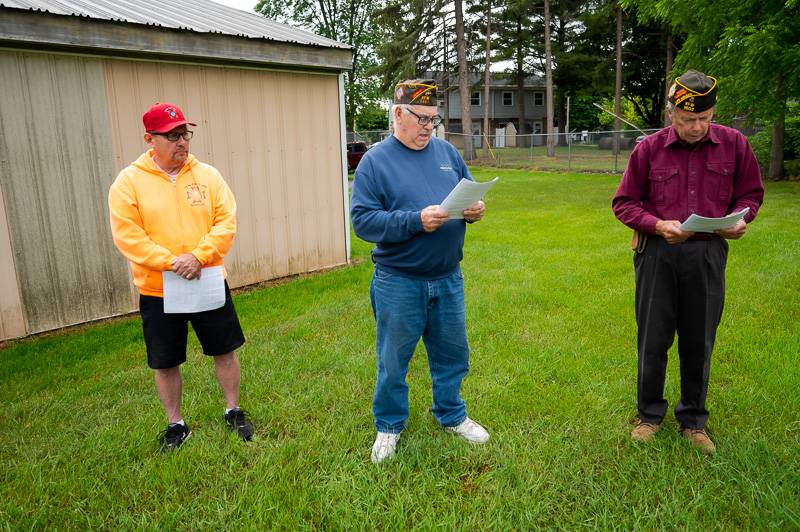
[[550, 319]]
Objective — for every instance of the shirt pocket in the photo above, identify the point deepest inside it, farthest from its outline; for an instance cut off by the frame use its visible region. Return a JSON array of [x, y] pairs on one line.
[[663, 186], [719, 182]]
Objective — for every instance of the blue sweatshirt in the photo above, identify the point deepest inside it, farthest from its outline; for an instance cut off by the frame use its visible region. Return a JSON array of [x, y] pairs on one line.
[[392, 185]]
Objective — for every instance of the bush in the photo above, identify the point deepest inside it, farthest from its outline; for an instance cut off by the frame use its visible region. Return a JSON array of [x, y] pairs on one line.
[[761, 142], [791, 139], [791, 169], [372, 117]]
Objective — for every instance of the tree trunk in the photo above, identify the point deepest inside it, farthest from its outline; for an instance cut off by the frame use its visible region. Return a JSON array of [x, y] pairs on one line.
[[487, 81], [561, 99], [350, 107], [775, 172], [521, 87], [446, 94], [463, 83], [548, 68], [618, 83], [445, 81], [668, 74]]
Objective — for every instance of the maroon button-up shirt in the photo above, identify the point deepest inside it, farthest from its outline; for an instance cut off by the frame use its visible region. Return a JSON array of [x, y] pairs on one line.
[[668, 180]]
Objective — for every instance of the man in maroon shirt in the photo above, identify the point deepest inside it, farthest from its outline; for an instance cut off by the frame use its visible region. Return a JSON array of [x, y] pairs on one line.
[[691, 167]]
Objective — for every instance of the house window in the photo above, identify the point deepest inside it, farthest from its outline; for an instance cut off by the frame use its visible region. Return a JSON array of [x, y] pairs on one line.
[[538, 98], [475, 99], [508, 98], [440, 102]]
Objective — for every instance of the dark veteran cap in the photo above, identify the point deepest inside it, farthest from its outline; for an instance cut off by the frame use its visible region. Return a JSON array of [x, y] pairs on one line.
[[694, 92], [416, 92]]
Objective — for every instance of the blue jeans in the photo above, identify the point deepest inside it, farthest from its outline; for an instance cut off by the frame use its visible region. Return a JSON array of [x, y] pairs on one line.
[[406, 309]]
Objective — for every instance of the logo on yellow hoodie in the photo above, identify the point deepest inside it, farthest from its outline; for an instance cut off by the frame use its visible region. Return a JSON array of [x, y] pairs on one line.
[[195, 194]]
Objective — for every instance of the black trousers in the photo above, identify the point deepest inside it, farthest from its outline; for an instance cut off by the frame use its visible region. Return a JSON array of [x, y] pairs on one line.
[[679, 288]]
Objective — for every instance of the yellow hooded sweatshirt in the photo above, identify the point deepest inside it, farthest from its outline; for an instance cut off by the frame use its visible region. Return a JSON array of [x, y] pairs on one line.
[[153, 220]]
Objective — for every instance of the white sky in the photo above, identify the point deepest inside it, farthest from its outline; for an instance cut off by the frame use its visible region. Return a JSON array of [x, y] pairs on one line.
[[244, 5]]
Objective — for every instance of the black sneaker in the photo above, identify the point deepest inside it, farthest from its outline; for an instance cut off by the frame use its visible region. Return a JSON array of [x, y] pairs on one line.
[[173, 436], [237, 420]]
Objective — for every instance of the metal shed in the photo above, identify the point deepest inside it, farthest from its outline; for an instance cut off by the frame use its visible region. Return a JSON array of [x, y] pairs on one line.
[[75, 77]]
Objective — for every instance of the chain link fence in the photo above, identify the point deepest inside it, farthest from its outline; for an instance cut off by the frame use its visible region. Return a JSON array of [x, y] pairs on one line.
[[579, 151], [370, 137]]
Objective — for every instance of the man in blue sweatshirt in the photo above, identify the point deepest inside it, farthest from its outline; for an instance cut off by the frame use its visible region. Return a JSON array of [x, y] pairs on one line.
[[417, 289]]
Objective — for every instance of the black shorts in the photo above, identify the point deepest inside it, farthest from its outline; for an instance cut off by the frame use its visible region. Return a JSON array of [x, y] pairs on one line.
[[165, 335]]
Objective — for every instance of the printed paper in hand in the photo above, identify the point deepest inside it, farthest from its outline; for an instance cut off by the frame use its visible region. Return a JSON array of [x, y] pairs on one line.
[[195, 295], [701, 224], [465, 194]]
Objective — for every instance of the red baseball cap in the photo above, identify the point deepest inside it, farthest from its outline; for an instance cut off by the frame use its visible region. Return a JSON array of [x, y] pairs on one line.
[[164, 117]]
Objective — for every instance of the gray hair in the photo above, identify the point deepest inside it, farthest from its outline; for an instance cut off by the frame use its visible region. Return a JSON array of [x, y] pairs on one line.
[[403, 106]]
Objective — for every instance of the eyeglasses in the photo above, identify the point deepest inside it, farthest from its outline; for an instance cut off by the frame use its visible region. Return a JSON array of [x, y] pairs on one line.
[[434, 120], [173, 136]]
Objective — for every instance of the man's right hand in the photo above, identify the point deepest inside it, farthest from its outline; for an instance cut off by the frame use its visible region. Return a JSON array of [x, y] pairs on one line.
[[671, 231], [187, 266], [432, 218]]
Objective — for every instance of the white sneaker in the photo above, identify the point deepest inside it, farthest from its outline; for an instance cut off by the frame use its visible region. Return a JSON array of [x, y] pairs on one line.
[[384, 446], [470, 431]]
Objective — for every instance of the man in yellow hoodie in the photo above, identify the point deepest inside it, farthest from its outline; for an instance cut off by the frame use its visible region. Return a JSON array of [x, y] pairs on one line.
[[170, 212]]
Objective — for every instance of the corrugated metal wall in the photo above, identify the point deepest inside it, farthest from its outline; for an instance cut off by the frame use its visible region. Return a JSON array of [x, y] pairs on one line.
[[274, 136], [69, 124], [57, 167], [12, 320]]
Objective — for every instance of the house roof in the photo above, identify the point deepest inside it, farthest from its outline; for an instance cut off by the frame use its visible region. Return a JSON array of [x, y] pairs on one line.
[[183, 30], [203, 16], [497, 79]]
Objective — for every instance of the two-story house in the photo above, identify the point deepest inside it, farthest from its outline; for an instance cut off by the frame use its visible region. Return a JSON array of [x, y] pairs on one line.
[[503, 105]]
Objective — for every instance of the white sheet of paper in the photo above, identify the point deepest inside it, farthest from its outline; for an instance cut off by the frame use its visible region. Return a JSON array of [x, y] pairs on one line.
[[195, 295], [701, 224], [463, 195]]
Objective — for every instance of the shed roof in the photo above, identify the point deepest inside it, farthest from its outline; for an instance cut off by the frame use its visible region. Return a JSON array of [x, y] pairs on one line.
[[203, 16]]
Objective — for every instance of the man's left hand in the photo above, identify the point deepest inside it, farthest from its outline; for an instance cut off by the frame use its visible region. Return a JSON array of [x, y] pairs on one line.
[[474, 212], [187, 266], [734, 232]]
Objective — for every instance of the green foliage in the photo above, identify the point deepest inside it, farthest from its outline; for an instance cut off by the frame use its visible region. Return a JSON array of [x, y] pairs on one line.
[[792, 169], [644, 73], [762, 142], [584, 56], [582, 114], [752, 46], [791, 141], [372, 117], [550, 314], [628, 113], [412, 37], [515, 35]]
